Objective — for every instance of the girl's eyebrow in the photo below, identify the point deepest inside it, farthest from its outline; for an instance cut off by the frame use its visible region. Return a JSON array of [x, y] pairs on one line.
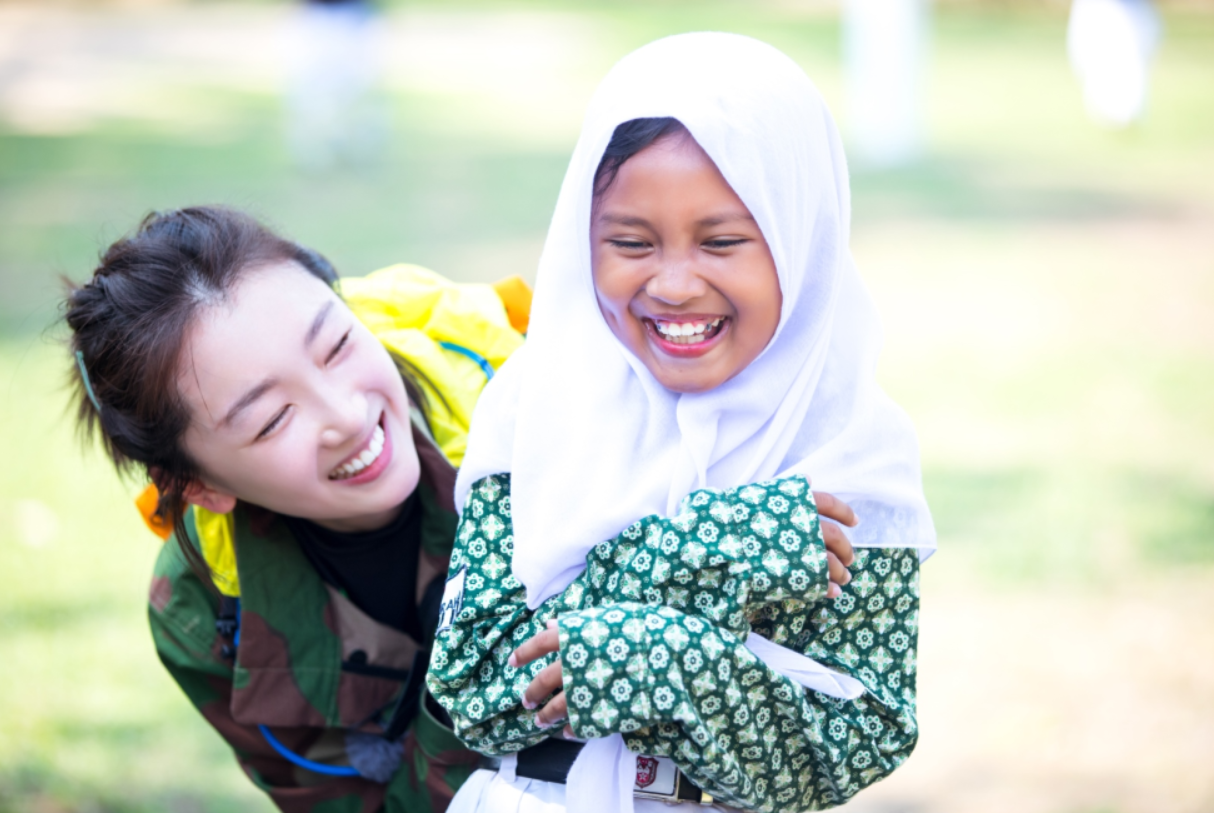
[[625, 220], [717, 220], [707, 222]]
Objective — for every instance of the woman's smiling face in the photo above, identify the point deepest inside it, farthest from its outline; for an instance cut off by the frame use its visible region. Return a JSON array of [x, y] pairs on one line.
[[683, 275], [295, 406]]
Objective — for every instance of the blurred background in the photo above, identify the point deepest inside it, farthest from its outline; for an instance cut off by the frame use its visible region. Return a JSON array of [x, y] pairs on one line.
[[1041, 248]]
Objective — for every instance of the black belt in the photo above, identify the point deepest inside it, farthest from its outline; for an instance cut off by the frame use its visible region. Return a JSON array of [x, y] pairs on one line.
[[551, 760]]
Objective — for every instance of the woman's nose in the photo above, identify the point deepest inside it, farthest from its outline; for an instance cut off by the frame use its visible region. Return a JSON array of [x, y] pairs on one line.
[[345, 420], [676, 282]]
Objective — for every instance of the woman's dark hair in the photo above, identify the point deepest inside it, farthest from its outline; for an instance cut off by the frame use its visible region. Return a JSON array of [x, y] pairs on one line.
[[628, 139], [128, 327]]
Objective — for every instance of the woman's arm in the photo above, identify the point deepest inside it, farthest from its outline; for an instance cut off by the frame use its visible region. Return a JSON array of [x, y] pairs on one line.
[[191, 652], [182, 616], [727, 553], [676, 685]]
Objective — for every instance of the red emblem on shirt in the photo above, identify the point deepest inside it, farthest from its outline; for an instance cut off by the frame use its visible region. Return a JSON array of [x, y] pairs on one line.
[[647, 771]]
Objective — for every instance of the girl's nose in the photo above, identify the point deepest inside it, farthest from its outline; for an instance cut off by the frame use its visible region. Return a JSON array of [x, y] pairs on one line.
[[676, 282]]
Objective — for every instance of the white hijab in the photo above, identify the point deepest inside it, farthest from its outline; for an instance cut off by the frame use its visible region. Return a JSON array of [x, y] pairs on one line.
[[593, 442]]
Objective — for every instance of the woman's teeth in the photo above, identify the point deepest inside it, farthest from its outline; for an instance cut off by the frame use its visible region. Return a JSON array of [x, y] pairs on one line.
[[369, 455], [688, 332]]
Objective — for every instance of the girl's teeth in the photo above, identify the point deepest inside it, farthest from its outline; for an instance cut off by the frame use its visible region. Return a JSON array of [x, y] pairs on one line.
[[369, 455], [686, 332]]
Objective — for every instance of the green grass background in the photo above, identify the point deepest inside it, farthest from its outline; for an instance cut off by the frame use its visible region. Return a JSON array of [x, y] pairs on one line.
[[1048, 290]]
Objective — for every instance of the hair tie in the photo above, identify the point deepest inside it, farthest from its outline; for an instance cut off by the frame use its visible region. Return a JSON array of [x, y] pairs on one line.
[[84, 376]]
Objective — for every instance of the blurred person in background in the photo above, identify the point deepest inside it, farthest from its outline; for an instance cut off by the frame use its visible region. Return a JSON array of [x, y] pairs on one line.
[[302, 437], [884, 45], [334, 117], [1110, 44]]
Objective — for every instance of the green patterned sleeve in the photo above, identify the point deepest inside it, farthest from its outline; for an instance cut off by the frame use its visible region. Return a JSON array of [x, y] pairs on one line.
[[484, 618], [677, 685], [725, 554]]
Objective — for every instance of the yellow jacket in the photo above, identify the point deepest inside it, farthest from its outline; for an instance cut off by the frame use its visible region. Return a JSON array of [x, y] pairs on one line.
[[454, 334]]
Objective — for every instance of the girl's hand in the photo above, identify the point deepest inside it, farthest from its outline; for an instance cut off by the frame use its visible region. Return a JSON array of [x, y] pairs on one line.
[[548, 681], [839, 554]]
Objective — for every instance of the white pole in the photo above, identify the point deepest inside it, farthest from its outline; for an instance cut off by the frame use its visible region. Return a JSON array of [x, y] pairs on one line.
[[1110, 44], [884, 44]]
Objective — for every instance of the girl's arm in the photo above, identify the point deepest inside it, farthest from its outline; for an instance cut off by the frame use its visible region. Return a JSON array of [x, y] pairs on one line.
[[728, 553], [725, 555], [675, 685]]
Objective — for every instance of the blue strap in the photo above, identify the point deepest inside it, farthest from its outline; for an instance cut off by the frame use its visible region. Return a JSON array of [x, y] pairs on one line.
[[283, 751], [296, 759], [477, 357]]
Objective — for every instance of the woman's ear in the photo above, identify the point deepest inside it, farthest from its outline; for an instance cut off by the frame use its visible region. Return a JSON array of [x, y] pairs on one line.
[[205, 496]]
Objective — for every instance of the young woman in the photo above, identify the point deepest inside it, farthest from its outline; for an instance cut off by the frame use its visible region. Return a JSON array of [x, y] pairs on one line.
[[305, 470]]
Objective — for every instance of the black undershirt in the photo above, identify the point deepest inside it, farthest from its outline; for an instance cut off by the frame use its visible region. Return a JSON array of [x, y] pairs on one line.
[[377, 570]]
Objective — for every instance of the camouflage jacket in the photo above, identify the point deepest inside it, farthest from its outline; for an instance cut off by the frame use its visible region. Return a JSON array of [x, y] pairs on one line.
[[310, 667]]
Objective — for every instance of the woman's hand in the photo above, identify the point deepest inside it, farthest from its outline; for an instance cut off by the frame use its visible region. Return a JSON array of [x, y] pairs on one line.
[[549, 679], [839, 554]]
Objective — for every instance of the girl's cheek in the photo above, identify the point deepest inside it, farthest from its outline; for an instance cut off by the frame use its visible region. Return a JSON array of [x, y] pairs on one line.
[[614, 294]]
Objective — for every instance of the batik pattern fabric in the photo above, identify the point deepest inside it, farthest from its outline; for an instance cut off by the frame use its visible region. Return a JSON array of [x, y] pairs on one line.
[[652, 641]]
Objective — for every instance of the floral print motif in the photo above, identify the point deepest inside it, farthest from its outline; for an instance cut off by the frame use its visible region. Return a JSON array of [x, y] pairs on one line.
[[652, 638]]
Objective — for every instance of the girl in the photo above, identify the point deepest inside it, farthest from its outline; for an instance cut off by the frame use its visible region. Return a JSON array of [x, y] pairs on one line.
[[698, 299], [217, 358]]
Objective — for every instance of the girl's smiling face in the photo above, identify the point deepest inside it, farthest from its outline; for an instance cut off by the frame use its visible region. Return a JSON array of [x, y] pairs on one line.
[[295, 406], [683, 275]]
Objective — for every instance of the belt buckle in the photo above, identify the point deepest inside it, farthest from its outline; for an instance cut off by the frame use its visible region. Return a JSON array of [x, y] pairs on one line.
[[663, 772], [669, 798], [657, 778]]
